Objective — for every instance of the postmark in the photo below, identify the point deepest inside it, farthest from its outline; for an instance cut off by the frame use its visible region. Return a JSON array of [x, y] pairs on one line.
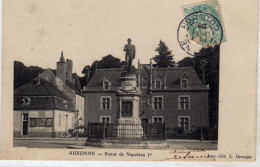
[[199, 30], [211, 7]]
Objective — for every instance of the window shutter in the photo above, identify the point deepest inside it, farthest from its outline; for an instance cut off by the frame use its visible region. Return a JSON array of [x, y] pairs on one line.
[[162, 102], [100, 102], [179, 103], [110, 103], [152, 102]]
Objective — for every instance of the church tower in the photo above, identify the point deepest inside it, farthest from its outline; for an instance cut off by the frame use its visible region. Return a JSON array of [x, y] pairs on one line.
[[61, 68]]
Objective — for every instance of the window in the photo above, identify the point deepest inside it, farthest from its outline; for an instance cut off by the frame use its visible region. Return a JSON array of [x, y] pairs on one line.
[[33, 122], [25, 117], [144, 79], [184, 102], [41, 122], [157, 119], [158, 102], [158, 84], [49, 122], [184, 122], [106, 85], [26, 101], [184, 83], [105, 103], [105, 119]]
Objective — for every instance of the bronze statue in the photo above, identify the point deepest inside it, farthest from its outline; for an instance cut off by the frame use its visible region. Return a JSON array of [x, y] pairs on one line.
[[129, 55]]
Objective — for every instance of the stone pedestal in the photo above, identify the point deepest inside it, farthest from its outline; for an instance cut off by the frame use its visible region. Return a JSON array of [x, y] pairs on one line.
[[129, 98]]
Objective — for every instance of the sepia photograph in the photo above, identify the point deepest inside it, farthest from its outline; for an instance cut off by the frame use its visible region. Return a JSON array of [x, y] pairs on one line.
[[94, 80]]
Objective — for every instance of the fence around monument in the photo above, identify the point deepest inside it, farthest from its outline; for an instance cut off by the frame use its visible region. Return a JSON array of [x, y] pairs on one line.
[[127, 131]]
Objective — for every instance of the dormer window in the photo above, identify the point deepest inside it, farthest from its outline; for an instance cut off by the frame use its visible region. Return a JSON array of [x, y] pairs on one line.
[[158, 84], [184, 81], [106, 83], [106, 86], [65, 103], [26, 101]]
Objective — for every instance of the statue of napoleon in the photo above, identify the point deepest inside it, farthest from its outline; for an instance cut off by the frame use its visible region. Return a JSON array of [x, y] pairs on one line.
[[129, 55]]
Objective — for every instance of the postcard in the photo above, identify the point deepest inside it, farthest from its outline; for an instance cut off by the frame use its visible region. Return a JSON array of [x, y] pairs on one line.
[[139, 80]]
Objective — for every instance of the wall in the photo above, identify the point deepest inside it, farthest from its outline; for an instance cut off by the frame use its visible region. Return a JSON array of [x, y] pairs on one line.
[[92, 107], [61, 126], [80, 107], [60, 130], [170, 112], [32, 131]]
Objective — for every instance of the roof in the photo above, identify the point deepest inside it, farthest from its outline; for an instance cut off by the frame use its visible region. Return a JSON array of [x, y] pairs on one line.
[[44, 88], [42, 103], [172, 74], [73, 87], [113, 74]]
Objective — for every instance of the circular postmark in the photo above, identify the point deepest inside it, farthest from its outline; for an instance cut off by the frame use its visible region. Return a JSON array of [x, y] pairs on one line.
[[199, 30]]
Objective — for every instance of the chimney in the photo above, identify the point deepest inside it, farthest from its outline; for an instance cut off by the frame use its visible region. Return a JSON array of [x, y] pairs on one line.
[[151, 76], [69, 65], [61, 68], [87, 69]]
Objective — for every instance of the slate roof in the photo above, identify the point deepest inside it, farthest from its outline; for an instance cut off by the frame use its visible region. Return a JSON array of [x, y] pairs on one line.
[[173, 75], [44, 88], [43, 103], [73, 87], [113, 74], [42, 96]]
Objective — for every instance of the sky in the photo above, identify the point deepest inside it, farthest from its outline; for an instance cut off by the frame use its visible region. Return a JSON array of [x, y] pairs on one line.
[[88, 30]]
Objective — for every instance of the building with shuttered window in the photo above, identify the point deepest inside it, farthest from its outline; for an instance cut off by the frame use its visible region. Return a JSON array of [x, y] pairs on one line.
[[174, 95]]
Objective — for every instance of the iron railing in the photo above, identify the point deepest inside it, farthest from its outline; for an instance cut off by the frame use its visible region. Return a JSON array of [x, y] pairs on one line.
[[127, 131]]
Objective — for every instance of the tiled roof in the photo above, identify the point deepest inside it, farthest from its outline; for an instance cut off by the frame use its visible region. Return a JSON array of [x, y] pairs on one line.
[[44, 88]]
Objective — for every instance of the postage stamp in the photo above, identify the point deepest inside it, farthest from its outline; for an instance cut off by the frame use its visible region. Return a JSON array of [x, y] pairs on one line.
[[210, 7], [199, 30]]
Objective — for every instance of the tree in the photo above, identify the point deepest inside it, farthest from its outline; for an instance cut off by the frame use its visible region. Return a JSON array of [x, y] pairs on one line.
[[211, 56], [23, 74], [186, 62], [108, 61], [165, 57]]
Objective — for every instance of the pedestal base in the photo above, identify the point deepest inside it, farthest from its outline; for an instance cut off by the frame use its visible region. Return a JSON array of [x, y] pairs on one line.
[[129, 128]]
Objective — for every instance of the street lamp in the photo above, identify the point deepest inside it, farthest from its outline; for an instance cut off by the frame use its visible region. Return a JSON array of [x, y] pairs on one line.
[[201, 132], [77, 124]]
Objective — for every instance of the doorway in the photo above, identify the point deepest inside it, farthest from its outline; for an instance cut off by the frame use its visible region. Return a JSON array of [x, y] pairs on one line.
[[144, 121], [25, 124]]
